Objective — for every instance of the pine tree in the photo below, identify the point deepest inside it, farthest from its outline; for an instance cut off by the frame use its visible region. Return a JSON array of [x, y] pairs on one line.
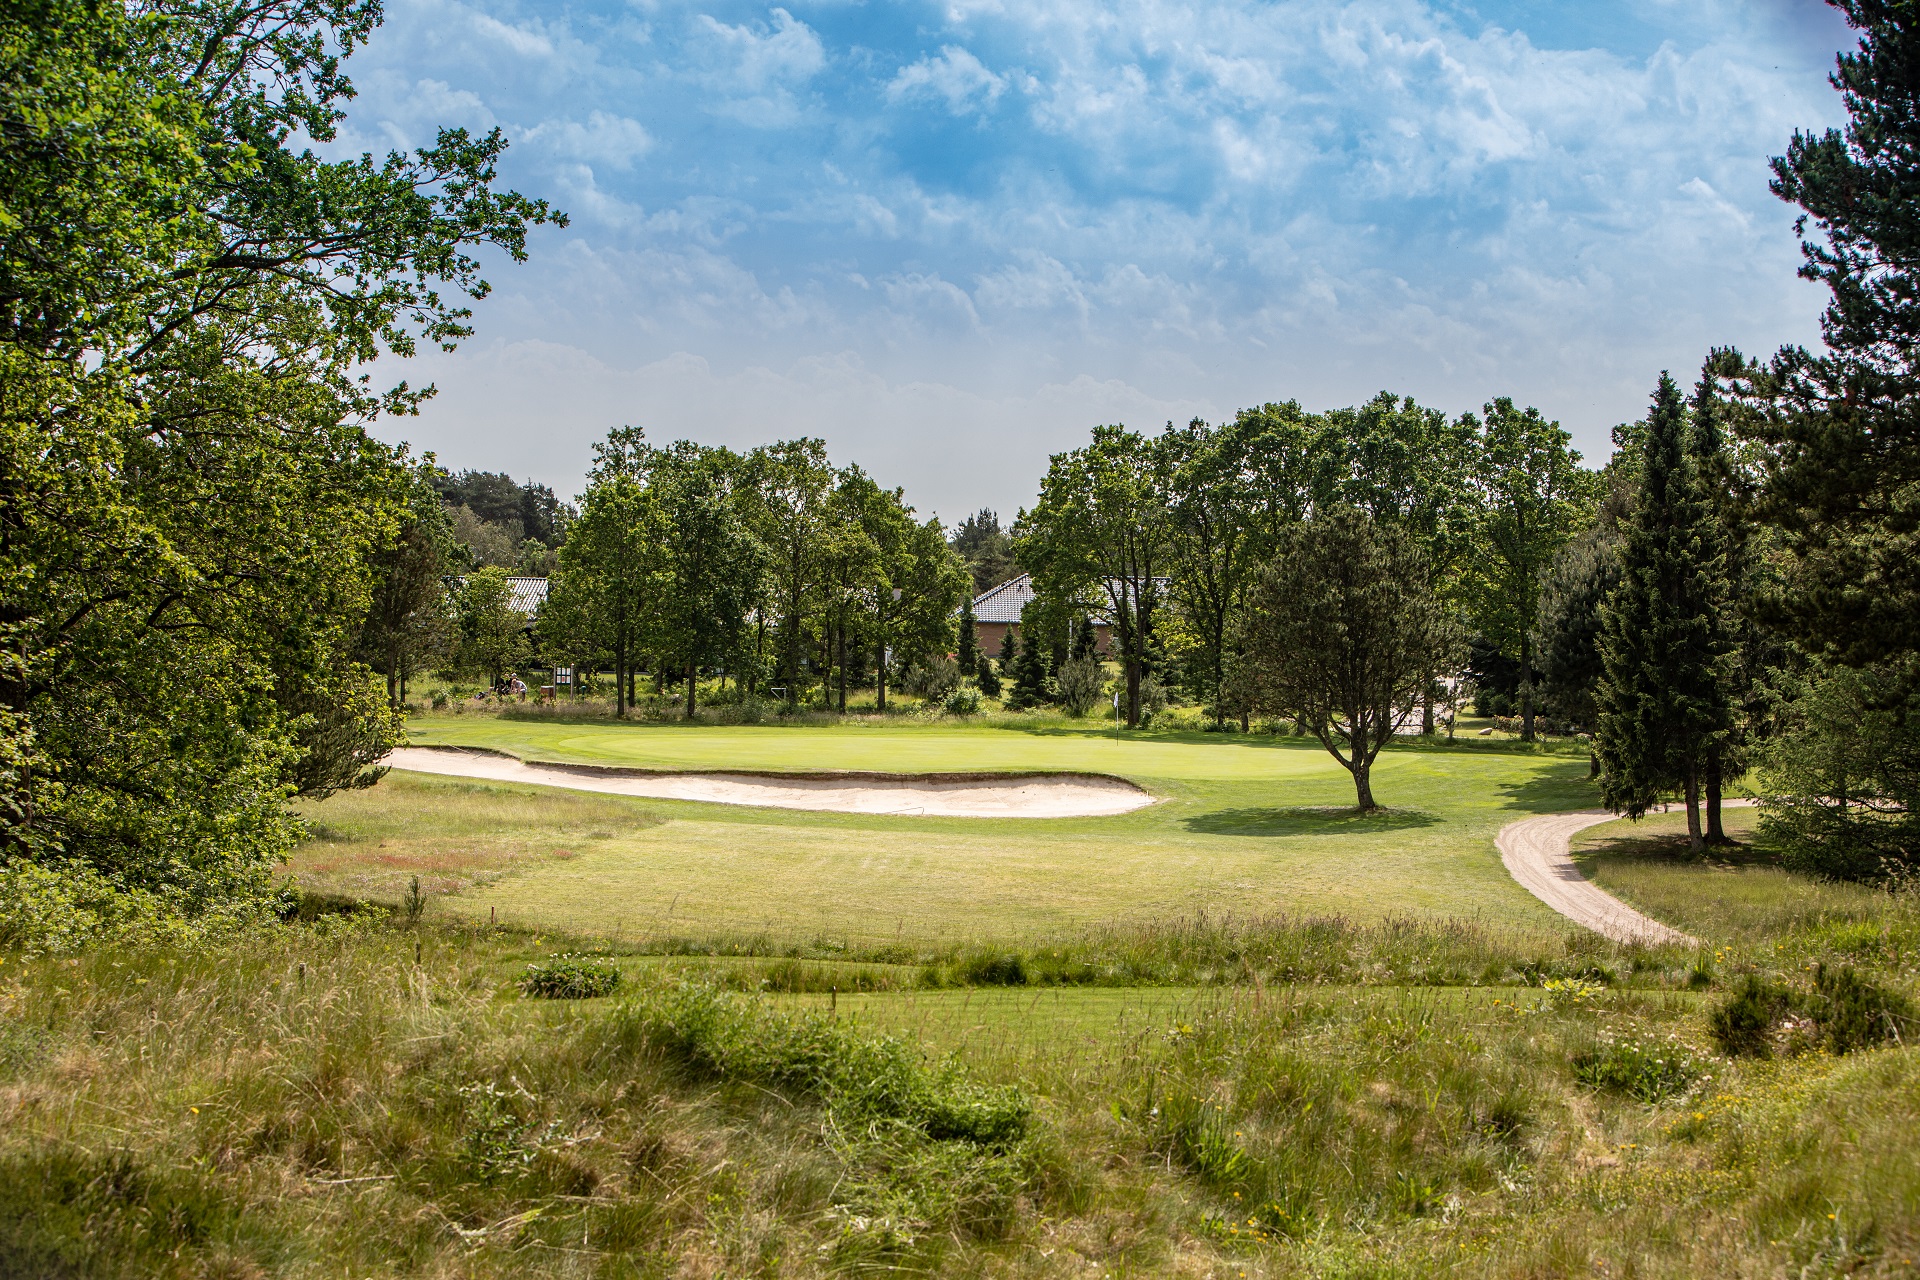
[[1029, 674], [1086, 641], [1707, 455], [969, 651], [1006, 650], [1664, 708], [984, 676]]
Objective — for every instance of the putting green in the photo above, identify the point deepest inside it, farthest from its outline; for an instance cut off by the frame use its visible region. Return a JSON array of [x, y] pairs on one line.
[[1245, 826]]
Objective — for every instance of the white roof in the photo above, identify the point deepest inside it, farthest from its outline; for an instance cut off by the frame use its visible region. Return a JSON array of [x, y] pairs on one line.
[[1004, 602], [527, 594]]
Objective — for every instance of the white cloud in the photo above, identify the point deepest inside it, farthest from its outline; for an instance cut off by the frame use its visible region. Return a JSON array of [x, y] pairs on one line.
[[615, 141], [956, 76], [782, 53], [528, 44]]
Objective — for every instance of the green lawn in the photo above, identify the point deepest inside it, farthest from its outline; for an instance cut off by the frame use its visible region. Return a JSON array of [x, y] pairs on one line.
[[1244, 826]]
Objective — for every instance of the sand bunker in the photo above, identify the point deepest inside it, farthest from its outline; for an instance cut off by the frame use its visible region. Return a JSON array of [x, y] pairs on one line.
[[1054, 795]]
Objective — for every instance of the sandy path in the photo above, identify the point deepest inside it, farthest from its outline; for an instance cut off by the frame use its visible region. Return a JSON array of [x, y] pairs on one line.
[[970, 796], [1535, 852]]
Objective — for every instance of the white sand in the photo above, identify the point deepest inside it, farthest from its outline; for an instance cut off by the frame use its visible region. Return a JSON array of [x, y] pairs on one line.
[[1535, 852], [1015, 796]]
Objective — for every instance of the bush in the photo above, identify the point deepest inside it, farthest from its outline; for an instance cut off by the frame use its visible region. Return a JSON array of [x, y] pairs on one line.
[[933, 678], [1842, 1013], [1649, 1070], [569, 977], [1855, 1013], [1846, 773], [995, 971], [962, 702], [1082, 684], [986, 678], [1744, 1023]]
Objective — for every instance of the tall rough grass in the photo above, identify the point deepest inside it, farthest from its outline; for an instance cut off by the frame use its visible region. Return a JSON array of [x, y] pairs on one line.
[[322, 1099]]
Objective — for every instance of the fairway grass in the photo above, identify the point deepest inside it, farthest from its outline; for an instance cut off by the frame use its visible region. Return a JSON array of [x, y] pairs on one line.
[[1242, 826]]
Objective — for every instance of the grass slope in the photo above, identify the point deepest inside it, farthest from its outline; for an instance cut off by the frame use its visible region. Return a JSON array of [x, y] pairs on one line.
[[1243, 826]]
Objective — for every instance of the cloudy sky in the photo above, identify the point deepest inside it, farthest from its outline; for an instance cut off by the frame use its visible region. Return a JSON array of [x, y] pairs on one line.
[[952, 238]]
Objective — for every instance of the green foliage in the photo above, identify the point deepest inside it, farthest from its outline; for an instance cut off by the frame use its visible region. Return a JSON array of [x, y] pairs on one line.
[[961, 702], [1031, 685], [1664, 703], [191, 497], [1097, 534], [1844, 1011], [1567, 637], [985, 676], [1082, 685], [1843, 774], [1343, 634], [1840, 477], [1534, 496], [1855, 1012], [569, 977], [1651, 1070], [493, 634], [933, 678]]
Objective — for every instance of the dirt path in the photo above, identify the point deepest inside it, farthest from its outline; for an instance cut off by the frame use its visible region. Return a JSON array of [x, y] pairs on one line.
[[945, 796], [1535, 853]]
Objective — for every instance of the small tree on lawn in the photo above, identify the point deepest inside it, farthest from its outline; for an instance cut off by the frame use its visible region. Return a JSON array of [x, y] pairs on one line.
[[1006, 651], [1343, 632], [493, 632]]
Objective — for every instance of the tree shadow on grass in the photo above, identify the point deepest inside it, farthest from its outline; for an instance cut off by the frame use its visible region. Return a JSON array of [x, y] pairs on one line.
[[1557, 790], [1327, 821]]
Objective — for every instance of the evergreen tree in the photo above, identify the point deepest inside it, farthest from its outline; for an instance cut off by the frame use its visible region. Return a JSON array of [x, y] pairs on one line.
[[1707, 455], [1086, 641], [1006, 650], [968, 652], [1664, 713], [983, 675], [1841, 475], [1029, 674]]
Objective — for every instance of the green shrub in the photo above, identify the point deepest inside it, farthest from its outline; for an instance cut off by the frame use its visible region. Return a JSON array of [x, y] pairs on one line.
[[1743, 1024], [1650, 1070], [1853, 1012], [1843, 1012], [962, 702], [569, 977], [1082, 684], [994, 970]]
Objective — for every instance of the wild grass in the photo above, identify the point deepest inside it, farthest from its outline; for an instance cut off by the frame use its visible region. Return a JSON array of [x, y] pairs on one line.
[[1740, 899], [313, 1101]]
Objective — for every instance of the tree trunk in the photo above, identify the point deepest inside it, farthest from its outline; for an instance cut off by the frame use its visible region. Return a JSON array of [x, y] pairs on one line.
[[840, 656], [620, 682], [1526, 688], [1362, 782], [1133, 692], [693, 688], [1426, 712], [880, 679], [1694, 842], [1716, 834], [1593, 764]]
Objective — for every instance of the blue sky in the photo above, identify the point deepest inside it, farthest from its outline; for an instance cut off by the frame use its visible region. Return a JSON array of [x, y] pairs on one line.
[[952, 238]]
